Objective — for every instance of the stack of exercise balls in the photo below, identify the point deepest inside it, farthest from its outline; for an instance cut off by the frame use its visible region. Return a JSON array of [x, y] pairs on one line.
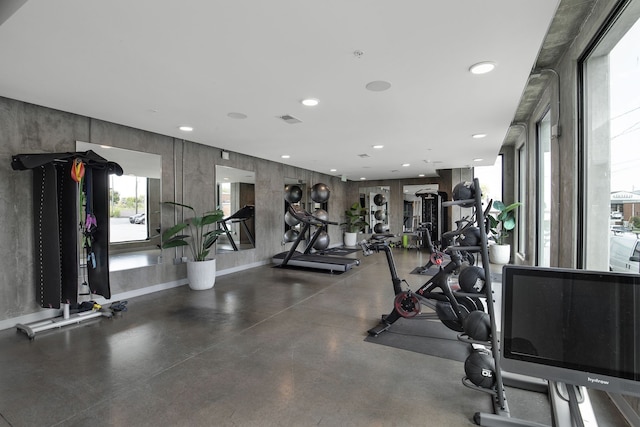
[[293, 195], [320, 194], [379, 200]]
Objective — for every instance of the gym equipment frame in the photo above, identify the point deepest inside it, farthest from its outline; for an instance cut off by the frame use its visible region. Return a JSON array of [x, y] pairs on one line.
[[307, 259]]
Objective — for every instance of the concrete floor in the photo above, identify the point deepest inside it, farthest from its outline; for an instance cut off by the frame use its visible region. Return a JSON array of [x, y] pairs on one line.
[[265, 347]]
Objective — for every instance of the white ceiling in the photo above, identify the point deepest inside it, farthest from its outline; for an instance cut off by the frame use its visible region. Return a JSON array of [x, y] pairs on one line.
[[156, 65]]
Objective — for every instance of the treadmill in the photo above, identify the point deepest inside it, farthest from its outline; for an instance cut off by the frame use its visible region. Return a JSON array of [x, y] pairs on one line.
[[241, 216], [306, 259]]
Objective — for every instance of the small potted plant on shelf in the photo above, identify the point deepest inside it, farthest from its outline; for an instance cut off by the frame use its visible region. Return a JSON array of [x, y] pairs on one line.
[[354, 223], [202, 234], [500, 226]]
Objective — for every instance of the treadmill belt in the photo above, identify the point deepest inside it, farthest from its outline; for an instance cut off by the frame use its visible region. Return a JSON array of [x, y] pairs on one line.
[[319, 262]]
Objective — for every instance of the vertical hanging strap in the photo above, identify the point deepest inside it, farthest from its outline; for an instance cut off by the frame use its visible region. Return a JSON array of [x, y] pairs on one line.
[[90, 223], [67, 190], [47, 235], [98, 200]]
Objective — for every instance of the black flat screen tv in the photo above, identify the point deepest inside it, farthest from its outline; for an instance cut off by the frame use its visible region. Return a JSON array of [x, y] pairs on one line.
[[572, 326]]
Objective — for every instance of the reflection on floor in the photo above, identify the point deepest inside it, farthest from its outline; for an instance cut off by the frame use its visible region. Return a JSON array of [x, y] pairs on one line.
[[264, 347], [224, 247], [129, 260]]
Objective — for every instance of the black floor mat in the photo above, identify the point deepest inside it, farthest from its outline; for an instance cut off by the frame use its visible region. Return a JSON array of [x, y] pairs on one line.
[[431, 271], [340, 251], [424, 336]]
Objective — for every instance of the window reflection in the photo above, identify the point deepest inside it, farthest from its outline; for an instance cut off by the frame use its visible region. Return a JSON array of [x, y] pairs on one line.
[[128, 208]]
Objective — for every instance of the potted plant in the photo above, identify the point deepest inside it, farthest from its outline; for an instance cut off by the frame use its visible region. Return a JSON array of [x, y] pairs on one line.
[[355, 222], [202, 234], [500, 226]]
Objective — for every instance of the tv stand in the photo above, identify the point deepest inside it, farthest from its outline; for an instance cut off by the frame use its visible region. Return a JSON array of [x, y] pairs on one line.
[[570, 407]]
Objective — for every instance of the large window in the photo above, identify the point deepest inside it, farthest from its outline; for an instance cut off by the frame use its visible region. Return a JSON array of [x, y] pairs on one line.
[[611, 143], [490, 178]]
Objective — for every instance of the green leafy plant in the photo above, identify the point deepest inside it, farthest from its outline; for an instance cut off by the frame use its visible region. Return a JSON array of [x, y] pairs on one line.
[[203, 232], [501, 224], [355, 218]]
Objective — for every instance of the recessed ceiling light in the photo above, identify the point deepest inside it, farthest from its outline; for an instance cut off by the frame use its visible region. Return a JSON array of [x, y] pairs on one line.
[[333, 170], [478, 160], [482, 67], [310, 102], [478, 135], [421, 175], [377, 147], [285, 156], [378, 86], [362, 178], [185, 128], [404, 165], [237, 115]]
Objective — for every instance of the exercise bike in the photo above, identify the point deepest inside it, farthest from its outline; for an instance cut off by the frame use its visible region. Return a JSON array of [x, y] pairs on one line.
[[466, 234], [451, 307]]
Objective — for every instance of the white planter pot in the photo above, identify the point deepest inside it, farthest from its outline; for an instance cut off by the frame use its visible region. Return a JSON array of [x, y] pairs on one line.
[[500, 254], [201, 274], [350, 239]]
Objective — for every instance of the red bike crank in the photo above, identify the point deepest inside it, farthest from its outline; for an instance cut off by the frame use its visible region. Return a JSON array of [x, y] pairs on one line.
[[436, 258], [407, 304]]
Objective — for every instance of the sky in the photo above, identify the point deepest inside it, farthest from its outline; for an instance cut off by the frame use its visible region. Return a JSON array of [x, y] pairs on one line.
[[625, 112], [125, 185]]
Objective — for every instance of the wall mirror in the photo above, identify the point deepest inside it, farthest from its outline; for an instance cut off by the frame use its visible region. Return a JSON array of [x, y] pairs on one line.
[[376, 200], [134, 205], [236, 198], [423, 212], [413, 197]]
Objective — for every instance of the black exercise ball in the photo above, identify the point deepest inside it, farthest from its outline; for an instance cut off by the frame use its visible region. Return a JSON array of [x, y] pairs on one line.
[[292, 193], [379, 199], [379, 228], [477, 325], [290, 220], [291, 235], [379, 214], [320, 193], [464, 191], [321, 214], [322, 242], [471, 237], [471, 279], [480, 368]]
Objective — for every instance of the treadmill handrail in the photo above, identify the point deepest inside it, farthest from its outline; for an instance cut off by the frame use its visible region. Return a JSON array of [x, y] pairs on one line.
[[243, 214], [308, 218]]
